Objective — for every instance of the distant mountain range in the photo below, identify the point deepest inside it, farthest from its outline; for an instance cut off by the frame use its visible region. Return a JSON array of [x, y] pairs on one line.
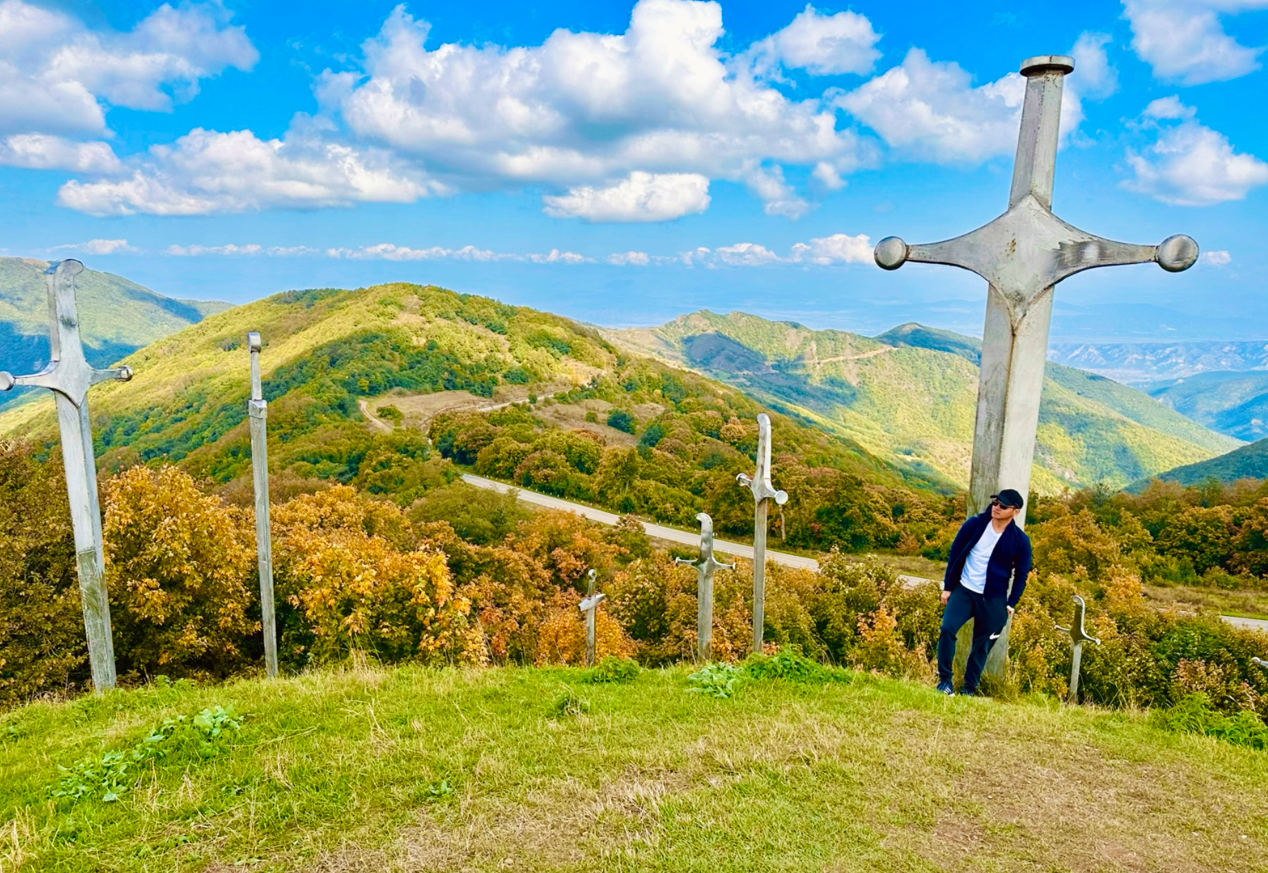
[[117, 317], [1142, 364], [909, 396]]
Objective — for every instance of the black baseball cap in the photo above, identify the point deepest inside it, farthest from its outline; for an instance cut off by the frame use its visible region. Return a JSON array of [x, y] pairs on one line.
[[1009, 497]]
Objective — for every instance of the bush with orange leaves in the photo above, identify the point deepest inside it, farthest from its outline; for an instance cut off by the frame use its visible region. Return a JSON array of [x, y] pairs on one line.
[[563, 634], [348, 571], [180, 567]]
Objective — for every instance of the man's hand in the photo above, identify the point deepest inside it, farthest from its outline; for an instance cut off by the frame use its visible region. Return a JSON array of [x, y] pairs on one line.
[[1010, 611], [946, 595]]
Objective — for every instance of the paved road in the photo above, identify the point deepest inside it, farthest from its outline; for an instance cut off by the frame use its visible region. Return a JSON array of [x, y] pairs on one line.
[[656, 531], [1258, 624], [692, 538]]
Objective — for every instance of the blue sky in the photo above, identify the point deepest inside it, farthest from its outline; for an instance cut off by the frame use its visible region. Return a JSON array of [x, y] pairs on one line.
[[624, 163]]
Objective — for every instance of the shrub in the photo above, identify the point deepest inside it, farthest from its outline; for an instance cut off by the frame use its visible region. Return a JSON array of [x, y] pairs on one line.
[[181, 568], [1194, 714], [715, 680], [614, 670], [621, 420], [42, 644]]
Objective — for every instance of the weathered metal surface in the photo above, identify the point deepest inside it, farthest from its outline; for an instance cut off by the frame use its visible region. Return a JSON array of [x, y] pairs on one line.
[[257, 412], [706, 565], [763, 493], [588, 606], [1022, 254], [69, 376], [1079, 635]]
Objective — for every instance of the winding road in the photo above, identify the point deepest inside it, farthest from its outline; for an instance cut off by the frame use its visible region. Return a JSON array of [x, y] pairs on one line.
[[690, 538]]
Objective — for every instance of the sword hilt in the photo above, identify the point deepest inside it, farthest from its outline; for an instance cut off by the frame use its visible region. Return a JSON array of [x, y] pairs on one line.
[[1259, 662]]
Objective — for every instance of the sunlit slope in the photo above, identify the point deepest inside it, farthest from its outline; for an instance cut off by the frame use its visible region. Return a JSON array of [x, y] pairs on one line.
[[916, 404], [117, 316], [331, 356]]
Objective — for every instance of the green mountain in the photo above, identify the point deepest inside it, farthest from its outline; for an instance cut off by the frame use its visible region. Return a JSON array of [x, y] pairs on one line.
[[1231, 403], [355, 379], [1247, 462], [117, 317], [909, 396]]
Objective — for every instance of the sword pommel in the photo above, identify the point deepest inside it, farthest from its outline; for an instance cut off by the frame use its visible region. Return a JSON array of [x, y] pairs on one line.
[[69, 267], [1037, 66], [1177, 253], [891, 253]]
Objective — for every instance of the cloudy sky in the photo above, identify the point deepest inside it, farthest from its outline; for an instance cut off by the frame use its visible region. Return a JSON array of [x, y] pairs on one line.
[[625, 163]]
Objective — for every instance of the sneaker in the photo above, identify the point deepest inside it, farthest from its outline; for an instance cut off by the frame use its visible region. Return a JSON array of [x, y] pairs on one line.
[[945, 688], [968, 692]]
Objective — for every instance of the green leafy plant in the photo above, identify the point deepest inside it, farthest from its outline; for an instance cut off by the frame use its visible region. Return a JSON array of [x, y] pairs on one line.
[[569, 704], [113, 773], [786, 664], [613, 669], [715, 680], [1194, 714]]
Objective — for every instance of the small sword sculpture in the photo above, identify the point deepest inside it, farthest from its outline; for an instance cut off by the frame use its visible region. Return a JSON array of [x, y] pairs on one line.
[[69, 376], [705, 566], [1080, 636], [258, 411], [763, 493], [588, 606]]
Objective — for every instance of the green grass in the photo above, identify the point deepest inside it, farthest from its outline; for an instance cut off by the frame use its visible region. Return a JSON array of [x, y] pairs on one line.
[[538, 769]]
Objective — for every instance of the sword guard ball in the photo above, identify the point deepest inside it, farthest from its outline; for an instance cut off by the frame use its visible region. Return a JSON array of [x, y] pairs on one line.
[[125, 374], [891, 253], [1177, 253], [6, 381]]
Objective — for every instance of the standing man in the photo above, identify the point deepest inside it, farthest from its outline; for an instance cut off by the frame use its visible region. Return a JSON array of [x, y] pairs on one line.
[[989, 550]]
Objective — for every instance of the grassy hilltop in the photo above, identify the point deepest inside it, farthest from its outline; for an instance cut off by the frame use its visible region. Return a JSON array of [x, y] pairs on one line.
[[910, 395], [539, 770]]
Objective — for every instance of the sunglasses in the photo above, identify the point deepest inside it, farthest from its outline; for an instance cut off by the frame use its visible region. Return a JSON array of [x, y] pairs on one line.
[[996, 502]]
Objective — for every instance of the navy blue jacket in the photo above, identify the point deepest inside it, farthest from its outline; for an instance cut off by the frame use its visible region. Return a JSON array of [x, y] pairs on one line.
[[1011, 558]]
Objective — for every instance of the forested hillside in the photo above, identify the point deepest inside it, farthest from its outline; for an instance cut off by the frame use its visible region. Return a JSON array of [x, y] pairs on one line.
[[358, 380], [1231, 403], [117, 317], [910, 396]]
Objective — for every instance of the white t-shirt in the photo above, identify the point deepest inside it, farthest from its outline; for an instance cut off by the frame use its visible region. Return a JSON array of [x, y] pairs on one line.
[[974, 575]]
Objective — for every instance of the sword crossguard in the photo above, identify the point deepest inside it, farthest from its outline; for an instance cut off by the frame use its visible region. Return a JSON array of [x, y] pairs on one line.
[[760, 483], [1077, 631], [1025, 251], [68, 372], [706, 563]]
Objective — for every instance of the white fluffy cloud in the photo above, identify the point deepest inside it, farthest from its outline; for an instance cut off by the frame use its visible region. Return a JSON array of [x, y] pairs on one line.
[[1094, 76], [206, 171], [1190, 164], [839, 248], [822, 45], [640, 197], [38, 151], [1217, 258], [589, 111], [55, 73], [1185, 41], [930, 110], [97, 247]]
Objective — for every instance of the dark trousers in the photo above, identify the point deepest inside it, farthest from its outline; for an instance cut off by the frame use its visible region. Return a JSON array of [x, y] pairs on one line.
[[989, 615]]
